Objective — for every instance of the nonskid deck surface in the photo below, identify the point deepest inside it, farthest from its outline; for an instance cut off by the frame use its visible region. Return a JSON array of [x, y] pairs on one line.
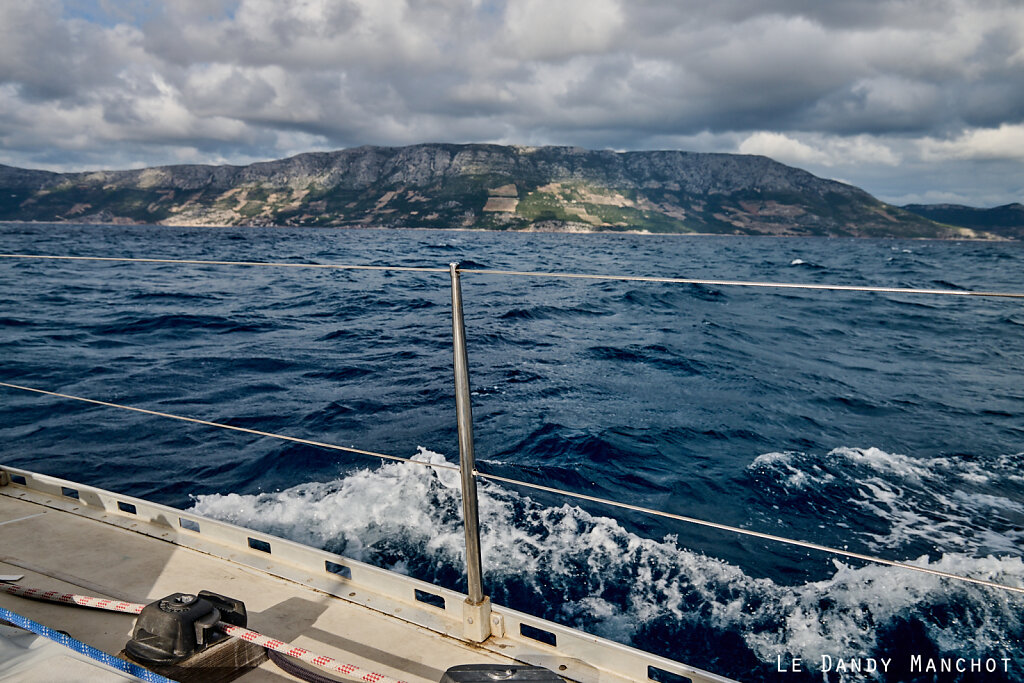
[[55, 550], [69, 537]]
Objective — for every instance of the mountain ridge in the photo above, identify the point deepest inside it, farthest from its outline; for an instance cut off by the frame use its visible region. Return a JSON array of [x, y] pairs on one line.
[[482, 186], [1006, 221]]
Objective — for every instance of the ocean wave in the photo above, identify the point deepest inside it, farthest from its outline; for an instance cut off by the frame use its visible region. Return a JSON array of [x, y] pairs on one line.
[[546, 312], [590, 572], [172, 296], [956, 503], [653, 393], [166, 324], [799, 262]]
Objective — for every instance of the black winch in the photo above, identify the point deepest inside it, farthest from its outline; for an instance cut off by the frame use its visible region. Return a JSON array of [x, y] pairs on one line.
[[493, 673], [174, 628]]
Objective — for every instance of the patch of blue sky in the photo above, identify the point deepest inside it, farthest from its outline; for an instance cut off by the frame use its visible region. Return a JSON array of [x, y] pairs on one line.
[[492, 7], [107, 12], [135, 12]]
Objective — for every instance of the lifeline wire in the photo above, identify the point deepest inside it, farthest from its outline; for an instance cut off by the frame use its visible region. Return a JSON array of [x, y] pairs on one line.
[[742, 283], [583, 276], [308, 442], [528, 273], [748, 532], [327, 266]]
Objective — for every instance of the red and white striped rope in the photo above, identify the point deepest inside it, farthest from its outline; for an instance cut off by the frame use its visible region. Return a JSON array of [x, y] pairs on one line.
[[72, 599], [326, 663]]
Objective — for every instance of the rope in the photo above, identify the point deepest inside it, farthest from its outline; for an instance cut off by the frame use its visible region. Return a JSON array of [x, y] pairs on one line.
[[755, 534], [80, 647], [327, 663], [286, 664], [743, 283], [197, 262], [72, 599], [221, 425]]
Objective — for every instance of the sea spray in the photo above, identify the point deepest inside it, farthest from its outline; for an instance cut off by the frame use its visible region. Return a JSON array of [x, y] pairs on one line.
[[588, 571]]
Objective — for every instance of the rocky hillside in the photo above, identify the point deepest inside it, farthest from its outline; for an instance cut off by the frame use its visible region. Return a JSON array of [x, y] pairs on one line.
[[1005, 221], [473, 186]]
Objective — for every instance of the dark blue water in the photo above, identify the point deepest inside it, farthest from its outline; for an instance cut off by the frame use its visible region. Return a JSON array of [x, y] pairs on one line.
[[882, 423]]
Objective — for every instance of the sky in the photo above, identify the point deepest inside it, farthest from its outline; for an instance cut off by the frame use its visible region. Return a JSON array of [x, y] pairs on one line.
[[912, 100]]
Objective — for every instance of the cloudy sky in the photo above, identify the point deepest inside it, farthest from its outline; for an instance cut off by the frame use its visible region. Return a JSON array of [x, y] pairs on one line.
[[913, 100]]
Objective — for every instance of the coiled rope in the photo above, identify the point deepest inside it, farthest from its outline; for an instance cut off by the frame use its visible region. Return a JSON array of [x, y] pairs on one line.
[[569, 494], [250, 636]]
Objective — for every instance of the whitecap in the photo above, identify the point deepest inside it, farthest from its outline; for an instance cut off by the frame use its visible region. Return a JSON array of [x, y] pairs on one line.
[[574, 561]]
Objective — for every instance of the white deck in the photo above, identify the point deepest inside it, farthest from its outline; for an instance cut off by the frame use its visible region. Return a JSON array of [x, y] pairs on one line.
[[57, 551], [367, 617]]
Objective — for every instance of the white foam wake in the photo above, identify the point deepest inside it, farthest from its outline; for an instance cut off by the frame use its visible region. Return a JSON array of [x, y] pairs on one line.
[[589, 571], [960, 503]]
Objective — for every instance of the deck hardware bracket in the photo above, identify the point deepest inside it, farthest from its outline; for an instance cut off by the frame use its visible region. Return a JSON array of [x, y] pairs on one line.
[[5, 478], [497, 625], [476, 620]]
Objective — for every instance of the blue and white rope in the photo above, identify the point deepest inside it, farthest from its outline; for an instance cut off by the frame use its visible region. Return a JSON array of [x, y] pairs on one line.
[[80, 647]]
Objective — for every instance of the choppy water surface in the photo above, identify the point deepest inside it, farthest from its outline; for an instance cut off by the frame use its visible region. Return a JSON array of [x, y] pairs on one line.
[[882, 423]]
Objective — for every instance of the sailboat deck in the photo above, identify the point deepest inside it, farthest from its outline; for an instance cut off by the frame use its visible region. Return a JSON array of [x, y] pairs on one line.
[[55, 550], [72, 538]]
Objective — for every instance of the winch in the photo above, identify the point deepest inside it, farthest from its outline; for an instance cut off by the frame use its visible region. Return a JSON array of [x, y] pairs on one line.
[[494, 673], [180, 625]]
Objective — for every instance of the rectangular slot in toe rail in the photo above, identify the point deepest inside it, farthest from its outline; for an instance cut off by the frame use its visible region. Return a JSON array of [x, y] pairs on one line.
[[430, 598], [258, 544], [572, 654], [538, 634], [662, 676], [338, 569]]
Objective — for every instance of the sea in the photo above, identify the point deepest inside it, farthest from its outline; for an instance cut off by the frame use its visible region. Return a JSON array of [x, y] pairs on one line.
[[887, 424]]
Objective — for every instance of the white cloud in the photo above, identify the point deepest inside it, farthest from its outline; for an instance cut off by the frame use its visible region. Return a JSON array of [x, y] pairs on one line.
[[1003, 143], [840, 87], [542, 29], [820, 150], [935, 197], [782, 148]]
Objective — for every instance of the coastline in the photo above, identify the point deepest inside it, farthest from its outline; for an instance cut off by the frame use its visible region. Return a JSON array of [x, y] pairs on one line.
[[527, 231]]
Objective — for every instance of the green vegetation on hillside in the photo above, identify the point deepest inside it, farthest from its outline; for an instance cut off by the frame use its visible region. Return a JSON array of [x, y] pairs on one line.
[[474, 186]]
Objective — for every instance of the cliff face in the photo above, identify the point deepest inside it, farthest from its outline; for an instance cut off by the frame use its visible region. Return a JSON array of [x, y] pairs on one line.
[[473, 186]]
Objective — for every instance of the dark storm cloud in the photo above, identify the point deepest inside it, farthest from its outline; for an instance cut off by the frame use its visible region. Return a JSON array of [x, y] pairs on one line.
[[839, 87]]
